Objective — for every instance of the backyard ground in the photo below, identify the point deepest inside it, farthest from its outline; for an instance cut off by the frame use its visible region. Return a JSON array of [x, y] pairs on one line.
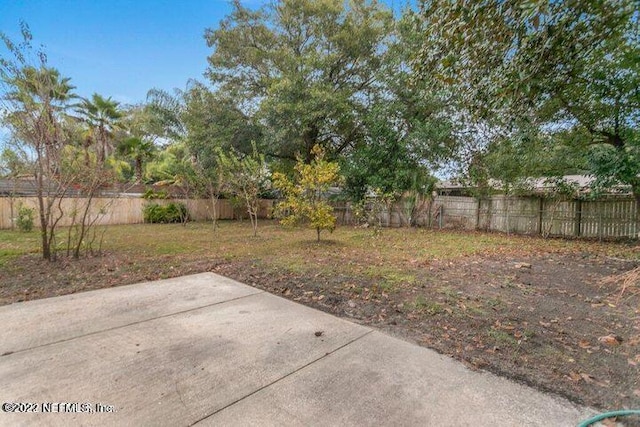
[[545, 312]]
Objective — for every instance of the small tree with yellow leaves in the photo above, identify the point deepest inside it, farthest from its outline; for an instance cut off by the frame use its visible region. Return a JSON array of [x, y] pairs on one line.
[[305, 200]]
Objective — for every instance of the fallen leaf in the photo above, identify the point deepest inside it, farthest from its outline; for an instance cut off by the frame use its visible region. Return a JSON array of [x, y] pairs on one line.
[[610, 340], [584, 344]]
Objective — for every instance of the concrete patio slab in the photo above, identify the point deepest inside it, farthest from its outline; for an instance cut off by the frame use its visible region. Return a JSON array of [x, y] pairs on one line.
[[56, 319], [380, 380], [206, 350]]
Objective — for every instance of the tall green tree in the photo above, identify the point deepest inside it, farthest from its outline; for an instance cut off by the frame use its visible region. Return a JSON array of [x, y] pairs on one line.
[[304, 69], [407, 130], [550, 65], [213, 122], [386, 162]]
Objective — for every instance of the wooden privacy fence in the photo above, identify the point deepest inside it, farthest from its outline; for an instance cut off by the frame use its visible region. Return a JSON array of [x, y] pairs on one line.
[[607, 218], [604, 219], [125, 210]]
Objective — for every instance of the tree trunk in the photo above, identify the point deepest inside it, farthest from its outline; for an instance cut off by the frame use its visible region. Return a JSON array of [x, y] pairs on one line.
[[138, 170], [46, 249], [318, 231], [83, 225], [310, 137], [255, 224], [252, 210]]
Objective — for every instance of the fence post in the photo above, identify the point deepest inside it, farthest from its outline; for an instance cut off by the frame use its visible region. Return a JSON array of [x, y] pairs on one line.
[[540, 214], [600, 205], [507, 205], [636, 217], [577, 222]]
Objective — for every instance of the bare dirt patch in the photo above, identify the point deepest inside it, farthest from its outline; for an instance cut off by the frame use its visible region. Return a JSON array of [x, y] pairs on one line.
[[29, 277], [543, 320]]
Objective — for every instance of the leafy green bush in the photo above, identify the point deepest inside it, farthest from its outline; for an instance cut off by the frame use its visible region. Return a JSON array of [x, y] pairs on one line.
[[172, 212], [24, 221], [176, 212]]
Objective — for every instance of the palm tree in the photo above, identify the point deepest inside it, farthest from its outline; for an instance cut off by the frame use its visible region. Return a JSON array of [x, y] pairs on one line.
[[38, 98], [165, 113], [42, 85], [103, 116], [43, 95], [138, 150]]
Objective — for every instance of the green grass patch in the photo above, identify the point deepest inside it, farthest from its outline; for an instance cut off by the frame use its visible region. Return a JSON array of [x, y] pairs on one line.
[[423, 305], [449, 293], [388, 279], [7, 255], [502, 338], [14, 244], [348, 250]]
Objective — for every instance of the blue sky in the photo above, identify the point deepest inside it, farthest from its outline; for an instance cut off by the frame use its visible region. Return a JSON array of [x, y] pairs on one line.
[[122, 48], [119, 48]]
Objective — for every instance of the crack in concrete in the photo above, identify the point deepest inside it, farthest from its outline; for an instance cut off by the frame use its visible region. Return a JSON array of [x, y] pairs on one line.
[[13, 352], [282, 378]]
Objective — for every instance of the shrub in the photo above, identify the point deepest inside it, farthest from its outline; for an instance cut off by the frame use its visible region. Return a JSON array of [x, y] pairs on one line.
[[305, 199], [176, 212], [24, 221], [172, 212]]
